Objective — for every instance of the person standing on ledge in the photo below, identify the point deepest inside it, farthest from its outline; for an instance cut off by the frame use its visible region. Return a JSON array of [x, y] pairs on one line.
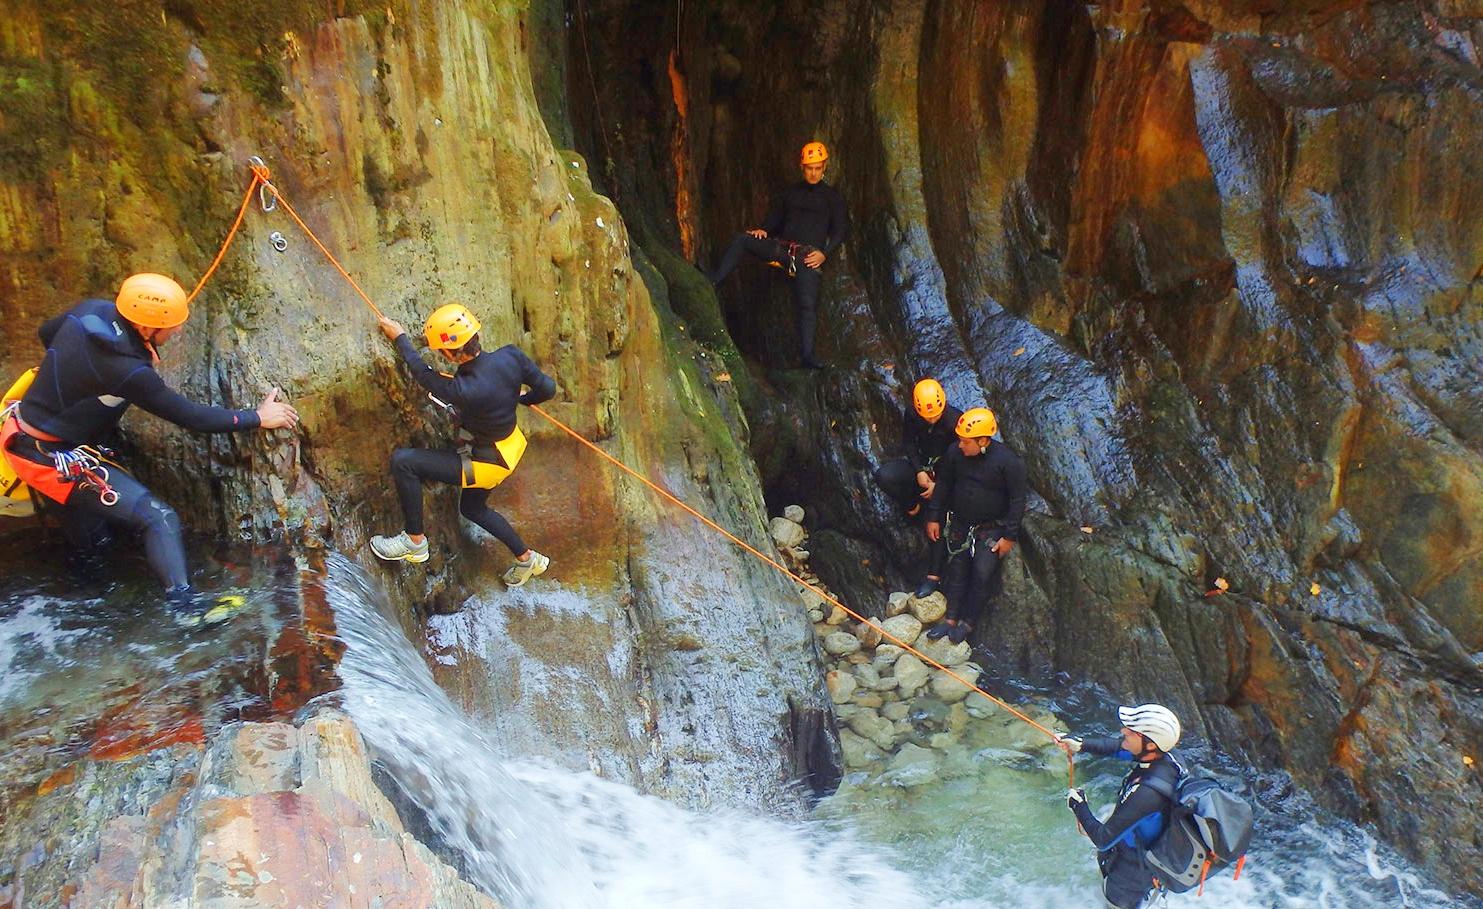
[[482, 395], [805, 225], [980, 494], [100, 358], [927, 432]]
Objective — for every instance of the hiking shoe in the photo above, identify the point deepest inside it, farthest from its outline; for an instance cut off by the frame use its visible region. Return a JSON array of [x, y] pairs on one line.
[[521, 572], [399, 548], [926, 588], [940, 630], [208, 610], [960, 632]]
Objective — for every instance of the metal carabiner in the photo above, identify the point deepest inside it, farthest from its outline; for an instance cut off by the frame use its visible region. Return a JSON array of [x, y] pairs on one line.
[[267, 195], [279, 242]]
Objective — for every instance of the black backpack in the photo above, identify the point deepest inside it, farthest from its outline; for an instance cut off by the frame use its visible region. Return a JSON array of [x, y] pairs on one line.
[[1208, 829]]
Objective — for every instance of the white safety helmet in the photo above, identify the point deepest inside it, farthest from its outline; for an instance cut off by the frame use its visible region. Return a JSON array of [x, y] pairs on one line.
[[1157, 723]]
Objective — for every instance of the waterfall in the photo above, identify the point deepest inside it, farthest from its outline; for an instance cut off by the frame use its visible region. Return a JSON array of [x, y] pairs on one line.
[[544, 837]]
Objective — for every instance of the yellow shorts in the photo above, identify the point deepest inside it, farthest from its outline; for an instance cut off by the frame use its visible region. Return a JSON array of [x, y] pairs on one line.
[[484, 475]]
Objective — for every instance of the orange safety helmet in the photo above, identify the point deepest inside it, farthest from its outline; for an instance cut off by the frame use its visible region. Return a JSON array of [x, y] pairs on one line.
[[450, 327], [153, 301], [978, 423], [929, 399], [813, 153]]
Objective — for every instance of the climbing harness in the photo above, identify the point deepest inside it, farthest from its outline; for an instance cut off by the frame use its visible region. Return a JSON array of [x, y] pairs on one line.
[[970, 539], [789, 255], [261, 184]]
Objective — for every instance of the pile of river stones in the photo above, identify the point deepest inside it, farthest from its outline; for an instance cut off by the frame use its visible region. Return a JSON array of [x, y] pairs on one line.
[[899, 716]]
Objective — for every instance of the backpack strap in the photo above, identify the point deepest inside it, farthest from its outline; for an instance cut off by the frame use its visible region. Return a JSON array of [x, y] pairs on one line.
[[1161, 786]]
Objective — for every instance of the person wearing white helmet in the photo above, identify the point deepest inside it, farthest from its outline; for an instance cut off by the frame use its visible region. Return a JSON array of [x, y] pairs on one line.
[[1149, 732]]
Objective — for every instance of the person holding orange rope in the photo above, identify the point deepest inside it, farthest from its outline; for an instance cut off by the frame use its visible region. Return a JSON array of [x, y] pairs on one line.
[[100, 358], [482, 394], [1149, 733]]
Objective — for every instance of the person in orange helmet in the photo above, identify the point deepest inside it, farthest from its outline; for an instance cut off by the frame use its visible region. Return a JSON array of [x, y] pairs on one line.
[[482, 395], [927, 433], [980, 496], [100, 359], [804, 227]]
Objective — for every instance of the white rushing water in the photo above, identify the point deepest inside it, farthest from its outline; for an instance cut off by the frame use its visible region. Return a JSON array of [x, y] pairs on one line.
[[541, 837]]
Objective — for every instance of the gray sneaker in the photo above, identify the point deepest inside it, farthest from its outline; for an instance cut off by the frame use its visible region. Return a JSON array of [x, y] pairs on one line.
[[399, 548], [521, 572]]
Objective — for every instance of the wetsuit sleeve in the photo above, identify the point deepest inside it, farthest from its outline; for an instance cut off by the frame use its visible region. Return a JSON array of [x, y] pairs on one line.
[[942, 493], [145, 388], [776, 213], [1139, 804], [839, 224], [440, 385], [542, 387], [1014, 479], [49, 328], [1105, 746]]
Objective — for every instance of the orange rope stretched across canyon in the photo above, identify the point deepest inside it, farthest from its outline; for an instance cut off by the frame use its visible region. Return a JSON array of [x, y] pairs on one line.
[[261, 180]]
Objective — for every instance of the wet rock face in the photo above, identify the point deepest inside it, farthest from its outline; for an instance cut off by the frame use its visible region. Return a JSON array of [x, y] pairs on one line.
[[270, 814], [1214, 265], [408, 137]]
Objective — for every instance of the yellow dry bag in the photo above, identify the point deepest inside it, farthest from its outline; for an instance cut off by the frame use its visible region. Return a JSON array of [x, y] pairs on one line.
[[15, 496]]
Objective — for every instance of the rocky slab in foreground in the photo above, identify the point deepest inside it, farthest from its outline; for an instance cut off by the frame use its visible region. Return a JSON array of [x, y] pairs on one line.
[[269, 815]]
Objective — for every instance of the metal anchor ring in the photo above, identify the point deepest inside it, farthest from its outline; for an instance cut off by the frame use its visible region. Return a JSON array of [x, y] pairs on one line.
[[279, 241]]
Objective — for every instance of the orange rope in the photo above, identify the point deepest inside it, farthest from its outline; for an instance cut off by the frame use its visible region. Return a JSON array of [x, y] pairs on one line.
[[333, 261], [257, 178], [1070, 763], [260, 177]]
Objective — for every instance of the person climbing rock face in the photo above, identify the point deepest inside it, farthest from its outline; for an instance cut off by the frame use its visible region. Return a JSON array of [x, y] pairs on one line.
[[482, 394], [1149, 733], [980, 496], [927, 432], [805, 225], [100, 358]]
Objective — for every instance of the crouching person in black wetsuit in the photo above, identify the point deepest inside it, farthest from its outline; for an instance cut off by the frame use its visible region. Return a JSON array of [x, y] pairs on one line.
[[805, 225], [980, 496], [100, 358], [1149, 733], [482, 392], [927, 433]]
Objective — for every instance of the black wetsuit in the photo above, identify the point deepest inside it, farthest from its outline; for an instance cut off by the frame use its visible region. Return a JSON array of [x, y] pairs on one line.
[[484, 392], [1134, 824], [981, 499], [96, 365], [811, 215], [925, 443]]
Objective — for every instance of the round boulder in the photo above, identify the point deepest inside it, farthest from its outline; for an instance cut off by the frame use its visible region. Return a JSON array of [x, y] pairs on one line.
[[928, 609], [948, 689], [841, 643], [904, 629], [841, 686], [910, 674], [785, 532], [897, 603]]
